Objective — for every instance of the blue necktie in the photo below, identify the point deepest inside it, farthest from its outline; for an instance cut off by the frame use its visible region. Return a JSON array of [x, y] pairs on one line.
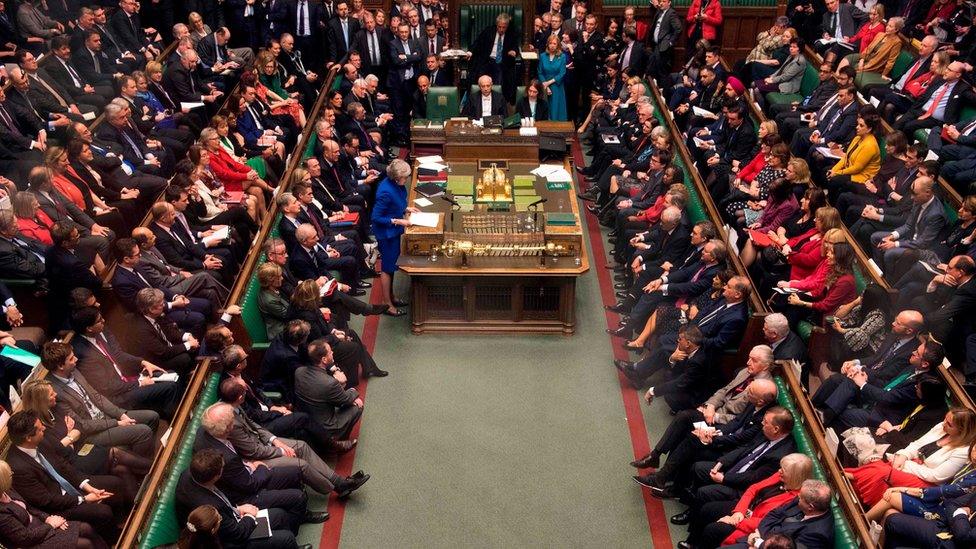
[[69, 490]]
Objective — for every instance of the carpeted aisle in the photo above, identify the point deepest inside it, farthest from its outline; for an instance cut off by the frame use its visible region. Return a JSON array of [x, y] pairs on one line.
[[498, 441]]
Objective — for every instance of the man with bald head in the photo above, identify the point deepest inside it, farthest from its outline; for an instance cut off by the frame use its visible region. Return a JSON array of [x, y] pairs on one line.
[[920, 231], [340, 183], [941, 103], [486, 102]]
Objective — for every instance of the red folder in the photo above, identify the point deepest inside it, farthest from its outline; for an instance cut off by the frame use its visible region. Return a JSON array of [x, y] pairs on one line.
[[761, 239]]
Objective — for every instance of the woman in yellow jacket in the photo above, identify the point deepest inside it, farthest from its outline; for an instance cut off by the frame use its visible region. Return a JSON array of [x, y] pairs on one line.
[[859, 163]]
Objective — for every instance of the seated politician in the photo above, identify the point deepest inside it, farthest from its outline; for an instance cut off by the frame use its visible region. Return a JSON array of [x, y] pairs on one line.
[[487, 103]]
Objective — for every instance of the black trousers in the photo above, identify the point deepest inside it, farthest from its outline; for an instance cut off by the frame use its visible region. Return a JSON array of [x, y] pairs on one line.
[[162, 396]]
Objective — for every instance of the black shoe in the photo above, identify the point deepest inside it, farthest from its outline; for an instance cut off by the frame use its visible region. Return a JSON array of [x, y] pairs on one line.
[[400, 303], [612, 234], [376, 309], [377, 373], [624, 319], [618, 308], [681, 518], [396, 312], [623, 365], [621, 277], [581, 169], [619, 332], [350, 485], [612, 240], [647, 481], [593, 209], [650, 460], [621, 286], [622, 294], [364, 285], [356, 292], [662, 492], [315, 518]]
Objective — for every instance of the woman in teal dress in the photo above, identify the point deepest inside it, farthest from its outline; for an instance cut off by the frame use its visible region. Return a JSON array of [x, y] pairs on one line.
[[552, 71]]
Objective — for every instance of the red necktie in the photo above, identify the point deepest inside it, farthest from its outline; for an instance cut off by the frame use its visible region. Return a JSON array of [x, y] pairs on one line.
[[944, 89]]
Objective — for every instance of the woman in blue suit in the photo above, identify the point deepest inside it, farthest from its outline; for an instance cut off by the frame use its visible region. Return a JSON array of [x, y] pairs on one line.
[[390, 216], [552, 72]]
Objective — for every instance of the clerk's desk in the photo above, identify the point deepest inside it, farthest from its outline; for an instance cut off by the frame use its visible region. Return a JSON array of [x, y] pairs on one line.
[[455, 142], [496, 292]]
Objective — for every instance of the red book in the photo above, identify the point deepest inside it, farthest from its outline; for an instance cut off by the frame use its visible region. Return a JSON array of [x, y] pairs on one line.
[[761, 239]]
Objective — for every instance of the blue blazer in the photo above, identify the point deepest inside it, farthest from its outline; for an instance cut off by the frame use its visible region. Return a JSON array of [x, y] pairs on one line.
[[391, 202], [248, 128]]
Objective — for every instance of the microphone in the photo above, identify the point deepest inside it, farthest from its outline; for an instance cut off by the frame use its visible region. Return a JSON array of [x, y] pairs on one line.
[[537, 202], [451, 200]]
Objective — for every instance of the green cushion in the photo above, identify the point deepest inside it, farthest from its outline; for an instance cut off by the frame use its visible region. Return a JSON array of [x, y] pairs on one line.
[[843, 535], [922, 136], [519, 94], [811, 79], [310, 148], [952, 215], [902, 62], [18, 281], [777, 98], [162, 528], [476, 17], [868, 78], [804, 329], [273, 233], [860, 281], [251, 314], [695, 209], [442, 103]]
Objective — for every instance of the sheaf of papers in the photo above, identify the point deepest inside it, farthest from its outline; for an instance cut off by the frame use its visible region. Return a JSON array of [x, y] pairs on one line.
[[931, 156], [88, 116], [559, 176], [529, 55], [422, 202], [704, 113], [827, 152], [424, 219], [699, 142], [190, 105], [529, 132], [429, 159], [434, 166], [874, 101], [545, 169], [875, 267]]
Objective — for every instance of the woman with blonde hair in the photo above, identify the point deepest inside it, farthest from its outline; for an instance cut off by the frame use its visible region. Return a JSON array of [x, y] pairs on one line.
[[931, 460], [724, 521], [272, 304], [22, 525], [273, 92], [200, 530]]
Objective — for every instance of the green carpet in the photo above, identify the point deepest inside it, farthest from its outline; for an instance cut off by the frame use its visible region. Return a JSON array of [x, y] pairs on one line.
[[497, 441]]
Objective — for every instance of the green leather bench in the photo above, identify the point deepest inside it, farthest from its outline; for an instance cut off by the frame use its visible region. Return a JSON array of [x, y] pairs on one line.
[[811, 79], [162, 528], [310, 147], [251, 314], [902, 62], [476, 18], [843, 535], [442, 103]]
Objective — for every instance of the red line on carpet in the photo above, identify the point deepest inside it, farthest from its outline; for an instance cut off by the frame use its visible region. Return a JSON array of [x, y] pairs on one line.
[[656, 517], [332, 529]]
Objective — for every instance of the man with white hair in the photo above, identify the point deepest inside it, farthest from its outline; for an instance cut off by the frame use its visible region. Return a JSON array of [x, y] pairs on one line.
[[806, 519], [494, 54], [718, 410], [785, 344], [485, 103]]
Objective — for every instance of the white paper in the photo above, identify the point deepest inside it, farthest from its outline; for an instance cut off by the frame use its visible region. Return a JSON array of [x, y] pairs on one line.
[[827, 152], [88, 116], [545, 169], [930, 268], [701, 143], [434, 166], [874, 101], [704, 113], [559, 176], [531, 131], [168, 376], [875, 267], [529, 55], [931, 156], [425, 219], [188, 106], [422, 202], [430, 159]]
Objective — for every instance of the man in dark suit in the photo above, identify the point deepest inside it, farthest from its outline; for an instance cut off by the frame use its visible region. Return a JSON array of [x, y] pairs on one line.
[[904, 530], [836, 125], [37, 105], [101, 421], [733, 472], [373, 49], [92, 63], [125, 379], [310, 260], [213, 53], [434, 70], [322, 396], [129, 32], [275, 14], [45, 90], [341, 30], [190, 314], [486, 103], [306, 79], [806, 519], [667, 240], [954, 295], [180, 248], [66, 269], [62, 71], [23, 135], [495, 52], [691, 445], [53, 485], [148, 154], [284, 355], [405, 57], [184, 85], [737, 142], [161, 274], [871, 398], [921, 230], [21, 258], [420, 97], [157, 337], [663, 35], [840, 22], [306, 21], [432, 43], [688, 385]]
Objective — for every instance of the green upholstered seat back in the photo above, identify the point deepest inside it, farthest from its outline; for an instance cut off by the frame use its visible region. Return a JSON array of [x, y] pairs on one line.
[[442, 103], [902, 62], [695, 209], [251, 314], [475, 18], [811, 79], [519, 94], [310, 148], [843, 535], [162, 527]]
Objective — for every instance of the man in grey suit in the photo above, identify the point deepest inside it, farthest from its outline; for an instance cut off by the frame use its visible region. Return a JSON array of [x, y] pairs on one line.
[[255, 443], [319, 392], [99, 421], [162, 274], [920, 231], [840, 23]]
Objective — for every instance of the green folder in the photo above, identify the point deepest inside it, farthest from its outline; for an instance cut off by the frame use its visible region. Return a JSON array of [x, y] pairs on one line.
[[524, 182], [466, 202], [524, 192], [460, 185], [522, 202], [560, 218], [20, 355], [560, 186]]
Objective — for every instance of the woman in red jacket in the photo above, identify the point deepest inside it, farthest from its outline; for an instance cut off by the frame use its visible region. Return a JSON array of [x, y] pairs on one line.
[[838, 288], [724, 521], [234, 175], [704, 18]]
